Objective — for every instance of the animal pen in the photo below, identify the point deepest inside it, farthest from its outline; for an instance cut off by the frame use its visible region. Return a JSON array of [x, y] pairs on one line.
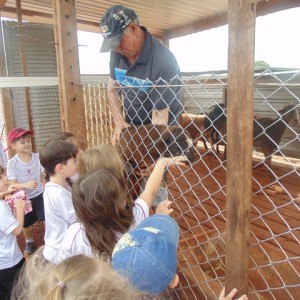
[[239, 217], [199, 192]]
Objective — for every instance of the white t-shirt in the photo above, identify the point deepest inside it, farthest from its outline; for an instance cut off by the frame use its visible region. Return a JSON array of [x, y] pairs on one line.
[[3, 156], [59, 215], [10, 253], [76, 242], [25, 172]]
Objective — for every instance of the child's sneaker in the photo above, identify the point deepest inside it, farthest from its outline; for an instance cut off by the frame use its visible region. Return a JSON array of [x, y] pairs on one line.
[[29, 249]]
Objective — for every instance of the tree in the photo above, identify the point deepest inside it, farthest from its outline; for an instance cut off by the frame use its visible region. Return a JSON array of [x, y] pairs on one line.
[[261, 64]]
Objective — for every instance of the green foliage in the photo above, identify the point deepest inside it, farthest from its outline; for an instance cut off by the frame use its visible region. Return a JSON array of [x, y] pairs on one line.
[[261, 64]]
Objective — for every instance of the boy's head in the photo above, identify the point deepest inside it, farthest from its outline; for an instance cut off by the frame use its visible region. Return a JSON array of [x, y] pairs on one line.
[[56, 153], [68, 137], [147, 256], [19, 135]]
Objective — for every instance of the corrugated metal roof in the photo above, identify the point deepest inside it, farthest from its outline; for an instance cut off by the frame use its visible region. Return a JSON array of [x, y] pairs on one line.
[[40, 49], [159, 16]]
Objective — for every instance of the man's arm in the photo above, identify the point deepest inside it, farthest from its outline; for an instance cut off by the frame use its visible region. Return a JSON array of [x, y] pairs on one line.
[[116, 109], [160, 117]]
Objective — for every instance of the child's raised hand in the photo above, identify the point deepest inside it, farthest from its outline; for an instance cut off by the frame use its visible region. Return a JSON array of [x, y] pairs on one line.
[[31, 185], [176, 160], [231, 295], [164, 208]]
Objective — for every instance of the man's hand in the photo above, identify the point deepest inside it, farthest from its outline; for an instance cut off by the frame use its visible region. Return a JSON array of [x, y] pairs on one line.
[[118, 131]]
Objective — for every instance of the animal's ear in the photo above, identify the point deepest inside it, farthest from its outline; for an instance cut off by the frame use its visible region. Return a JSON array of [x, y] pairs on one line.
[[175, 132], [164, 140], [281, 111], [156, 144]]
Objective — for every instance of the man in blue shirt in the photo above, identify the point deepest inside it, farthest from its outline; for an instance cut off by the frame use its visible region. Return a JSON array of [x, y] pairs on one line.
[[144, 83]]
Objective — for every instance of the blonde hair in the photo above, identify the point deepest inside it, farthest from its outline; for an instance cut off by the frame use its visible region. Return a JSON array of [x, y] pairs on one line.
[[102, 156], [78, 277]]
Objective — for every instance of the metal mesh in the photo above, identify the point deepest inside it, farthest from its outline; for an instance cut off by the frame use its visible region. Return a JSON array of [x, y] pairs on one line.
[[199, 191], [45, 111]]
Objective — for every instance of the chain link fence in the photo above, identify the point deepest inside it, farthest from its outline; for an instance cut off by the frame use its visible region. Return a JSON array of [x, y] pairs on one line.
[[199, 191]]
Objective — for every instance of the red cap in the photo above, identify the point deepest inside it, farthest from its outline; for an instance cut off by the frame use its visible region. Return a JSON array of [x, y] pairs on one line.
[[18, 132]]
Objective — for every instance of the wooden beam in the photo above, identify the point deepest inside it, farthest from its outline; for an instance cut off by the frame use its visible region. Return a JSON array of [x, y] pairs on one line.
[[24, 71], [70, 88], [272, 6], [47, 18], [263, 8], [241, 17]]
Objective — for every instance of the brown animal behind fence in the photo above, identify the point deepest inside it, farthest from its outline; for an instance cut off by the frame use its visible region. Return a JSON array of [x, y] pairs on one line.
[[141, 146]]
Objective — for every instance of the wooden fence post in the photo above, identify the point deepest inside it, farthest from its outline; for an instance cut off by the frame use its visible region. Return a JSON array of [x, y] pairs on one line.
[[241, 20], [70, 88]]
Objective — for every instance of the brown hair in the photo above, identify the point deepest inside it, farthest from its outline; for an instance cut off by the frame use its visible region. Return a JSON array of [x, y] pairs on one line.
[[68, 137], [102, 156], [101, 205], [78, 277], [56, 152], [2, 170]]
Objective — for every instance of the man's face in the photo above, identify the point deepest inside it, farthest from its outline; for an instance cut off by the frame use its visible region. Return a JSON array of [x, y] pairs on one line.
[[129, 43]]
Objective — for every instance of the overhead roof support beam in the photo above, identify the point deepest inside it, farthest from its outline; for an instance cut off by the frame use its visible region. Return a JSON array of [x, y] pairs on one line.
[[262, 8]]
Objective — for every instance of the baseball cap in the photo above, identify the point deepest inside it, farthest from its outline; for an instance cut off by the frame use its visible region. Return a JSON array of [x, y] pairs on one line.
[[112, 25], [18, 132], [147, 256]]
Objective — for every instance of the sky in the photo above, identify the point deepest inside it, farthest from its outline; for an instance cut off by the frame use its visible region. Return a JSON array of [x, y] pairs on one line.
[[277, 42]]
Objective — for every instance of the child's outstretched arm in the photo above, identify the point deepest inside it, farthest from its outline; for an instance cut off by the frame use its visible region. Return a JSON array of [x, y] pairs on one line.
[[20, 208], [154, 181]]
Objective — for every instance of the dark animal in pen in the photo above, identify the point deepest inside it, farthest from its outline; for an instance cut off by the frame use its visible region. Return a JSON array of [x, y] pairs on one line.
[[218, 137], [202, 127], [141, 146], [267, 132]]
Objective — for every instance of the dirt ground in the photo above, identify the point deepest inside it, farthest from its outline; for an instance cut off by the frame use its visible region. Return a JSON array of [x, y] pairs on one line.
[[38, 235]]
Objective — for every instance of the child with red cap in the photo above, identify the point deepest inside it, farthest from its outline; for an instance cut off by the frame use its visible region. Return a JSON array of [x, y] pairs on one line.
[[24, 171]]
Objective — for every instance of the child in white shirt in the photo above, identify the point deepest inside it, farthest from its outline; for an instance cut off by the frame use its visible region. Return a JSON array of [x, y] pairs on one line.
[[100, 200], [24, 172], [11, 258], [59, 160]]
